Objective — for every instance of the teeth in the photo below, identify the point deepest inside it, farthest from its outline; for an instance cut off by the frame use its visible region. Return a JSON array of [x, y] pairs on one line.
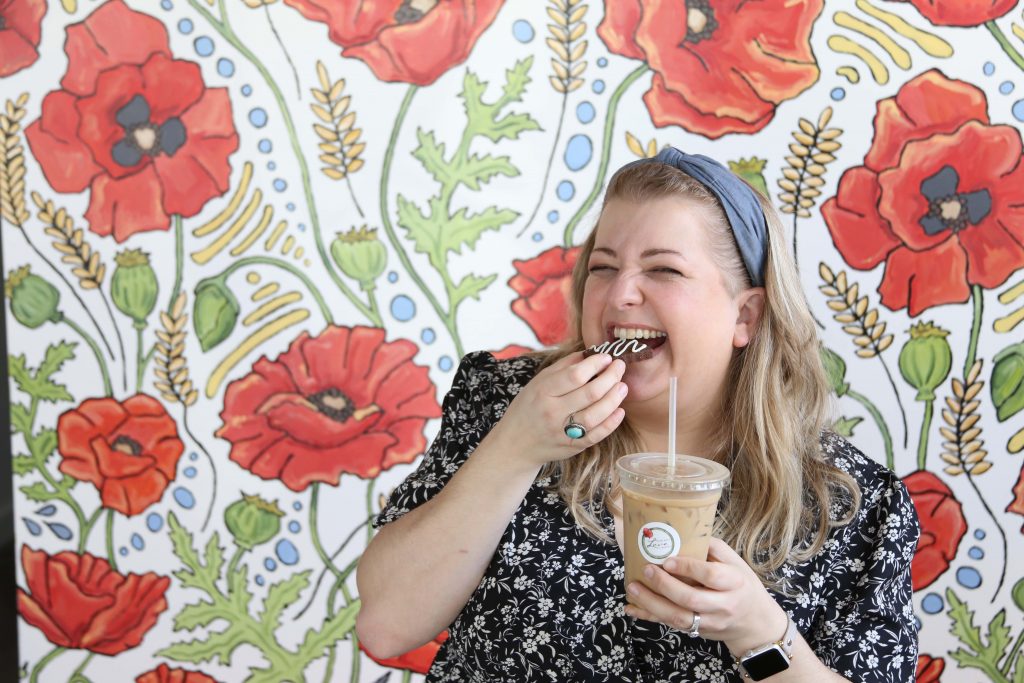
[[636, 333]]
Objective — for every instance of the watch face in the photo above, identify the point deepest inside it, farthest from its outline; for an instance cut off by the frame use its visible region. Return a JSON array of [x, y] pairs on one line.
[[767, 663]]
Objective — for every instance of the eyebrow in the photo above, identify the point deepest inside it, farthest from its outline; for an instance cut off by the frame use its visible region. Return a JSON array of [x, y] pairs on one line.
[[647, 253]]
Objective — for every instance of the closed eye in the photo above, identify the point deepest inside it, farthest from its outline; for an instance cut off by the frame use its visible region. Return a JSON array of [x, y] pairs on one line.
[[666, 270], [598, 267]]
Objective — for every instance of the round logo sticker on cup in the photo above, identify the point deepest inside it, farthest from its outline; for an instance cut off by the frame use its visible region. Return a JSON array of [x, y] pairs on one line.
[[658, 542]]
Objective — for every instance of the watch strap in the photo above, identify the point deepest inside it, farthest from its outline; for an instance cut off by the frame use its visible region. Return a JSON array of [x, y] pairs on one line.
[[785, 643]]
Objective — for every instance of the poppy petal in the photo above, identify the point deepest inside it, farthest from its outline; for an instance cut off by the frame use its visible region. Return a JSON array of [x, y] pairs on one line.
[[66, 161], [618, 28], [920, 280], [126, 206]]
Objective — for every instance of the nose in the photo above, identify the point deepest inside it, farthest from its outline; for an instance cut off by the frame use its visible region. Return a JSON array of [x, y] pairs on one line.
[[625, 291]]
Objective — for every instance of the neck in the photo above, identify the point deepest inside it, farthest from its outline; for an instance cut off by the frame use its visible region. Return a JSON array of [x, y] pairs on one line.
[[693, 429]]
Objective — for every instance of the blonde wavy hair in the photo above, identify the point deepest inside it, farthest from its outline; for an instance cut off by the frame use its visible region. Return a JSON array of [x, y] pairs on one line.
[[773, 414]]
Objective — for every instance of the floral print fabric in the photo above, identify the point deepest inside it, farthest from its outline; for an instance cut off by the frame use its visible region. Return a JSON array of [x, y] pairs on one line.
[[550, 605]]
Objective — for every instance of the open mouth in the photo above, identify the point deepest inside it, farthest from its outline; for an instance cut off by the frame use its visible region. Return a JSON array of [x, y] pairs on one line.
[[630, 344]]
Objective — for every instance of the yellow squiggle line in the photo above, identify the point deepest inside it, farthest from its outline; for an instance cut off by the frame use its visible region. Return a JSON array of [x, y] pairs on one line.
[[236, 201], [1012, 293], [264, 292], [1017, 30], [299, 252], [900, 56], [289, 242], [271, 306], [222, 241], [849, 73], [250, 239], [1008, 322], [249, 343], [274, 236], [252, 277], [929, 42], [845, 46]]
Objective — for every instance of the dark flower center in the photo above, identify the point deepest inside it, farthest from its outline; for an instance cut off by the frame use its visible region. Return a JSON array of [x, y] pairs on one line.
[[412, 11], [949, 209], [334, 404], [142, 137], [700, 21], [126, 445]]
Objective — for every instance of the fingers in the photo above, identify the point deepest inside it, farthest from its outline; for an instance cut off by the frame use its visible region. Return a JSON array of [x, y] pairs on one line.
[[599, 400], [565, 379], [714, 575], [650, 606]]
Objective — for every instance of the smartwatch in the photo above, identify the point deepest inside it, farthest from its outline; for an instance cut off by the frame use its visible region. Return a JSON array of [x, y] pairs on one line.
[[761, 662]]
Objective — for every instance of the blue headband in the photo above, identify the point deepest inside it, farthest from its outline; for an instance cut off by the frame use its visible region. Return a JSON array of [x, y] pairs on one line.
[[741, 205]]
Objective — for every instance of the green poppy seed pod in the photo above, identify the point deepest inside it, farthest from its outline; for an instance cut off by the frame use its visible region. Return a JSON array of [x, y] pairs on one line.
[[1008, 381], [253, 521], [33, 299], [134, 287], [835, 368], [214, 312], [360, 255], [1018, 594], [925, 359], [751, 170]]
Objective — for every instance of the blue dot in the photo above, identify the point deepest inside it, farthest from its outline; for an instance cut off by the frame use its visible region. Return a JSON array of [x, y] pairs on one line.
[[154, 522], [602, 62], [286, 552], [1006, 87], [137, 542], [246, 90], [968, 577], [445, 363], [270, 564], [167, 5], [204, 46], [976, 553], [301, 227], [578, 152], [1018, 110], [185, 26], [190, 472], [185, 498], [33, 526], [933, 603], [980, 534], [47, 510], [257, 117], [294, 527], [427, 335], [265, 146], [271, 166], [392, 276], [585, 112], [917, 623], [537, 237], [59, 530], [289, 206], [552, 216], [123, 551], [565, 190], [837, 94], [522, 30], [402, 308], [597, 86], [989, 68], [280, 184], [193, 456], [225, 67], [296, 506], [259, 580]]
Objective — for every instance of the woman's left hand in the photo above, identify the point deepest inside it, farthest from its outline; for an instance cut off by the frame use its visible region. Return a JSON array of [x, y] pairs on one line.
[[734, 606]]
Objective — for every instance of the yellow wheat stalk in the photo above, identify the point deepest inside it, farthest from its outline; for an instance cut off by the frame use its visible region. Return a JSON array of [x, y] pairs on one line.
[[70, 242], [12, 163], [339, 139], [637, 148], [859, 320], [564, 41], [171, 369], [805, 170], [962, 449]]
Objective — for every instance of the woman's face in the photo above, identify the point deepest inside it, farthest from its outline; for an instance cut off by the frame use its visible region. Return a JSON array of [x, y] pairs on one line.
[[652, 273]]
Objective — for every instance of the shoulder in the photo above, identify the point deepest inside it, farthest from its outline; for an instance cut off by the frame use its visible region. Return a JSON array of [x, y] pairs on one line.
[[481, 371]]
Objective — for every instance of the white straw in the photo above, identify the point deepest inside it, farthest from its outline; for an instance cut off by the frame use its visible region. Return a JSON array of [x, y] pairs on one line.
[[672, 382]]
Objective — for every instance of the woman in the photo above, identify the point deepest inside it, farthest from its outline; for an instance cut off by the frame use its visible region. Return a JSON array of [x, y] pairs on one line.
[[510, 531]]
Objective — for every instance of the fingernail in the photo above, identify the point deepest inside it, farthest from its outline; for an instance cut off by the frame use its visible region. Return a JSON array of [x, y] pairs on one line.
[[633, 590], [649, 572], [623, 389], [670, 565]]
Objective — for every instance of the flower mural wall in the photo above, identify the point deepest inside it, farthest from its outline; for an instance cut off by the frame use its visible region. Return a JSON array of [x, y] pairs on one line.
[[245, 244]]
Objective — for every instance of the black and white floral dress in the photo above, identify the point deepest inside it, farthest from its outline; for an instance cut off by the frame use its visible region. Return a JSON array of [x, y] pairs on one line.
[[550, 606]]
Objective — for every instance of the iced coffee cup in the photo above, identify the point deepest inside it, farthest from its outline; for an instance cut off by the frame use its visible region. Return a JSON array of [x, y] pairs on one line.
[[667, 511]]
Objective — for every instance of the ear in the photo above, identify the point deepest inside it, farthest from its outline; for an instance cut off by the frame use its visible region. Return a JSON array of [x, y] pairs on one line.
[[750, 305]]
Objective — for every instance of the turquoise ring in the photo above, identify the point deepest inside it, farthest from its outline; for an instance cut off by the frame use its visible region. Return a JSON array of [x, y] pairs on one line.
[[574, 430]]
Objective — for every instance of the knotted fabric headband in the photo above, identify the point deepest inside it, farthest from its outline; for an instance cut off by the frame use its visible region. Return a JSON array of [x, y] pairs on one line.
[[741, 205]]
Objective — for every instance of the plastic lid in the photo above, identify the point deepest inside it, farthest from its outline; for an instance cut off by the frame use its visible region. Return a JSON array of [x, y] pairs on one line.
[[690, 474]]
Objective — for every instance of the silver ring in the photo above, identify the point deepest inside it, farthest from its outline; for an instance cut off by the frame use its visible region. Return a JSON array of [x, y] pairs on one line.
[[573, 429], [694, 631]]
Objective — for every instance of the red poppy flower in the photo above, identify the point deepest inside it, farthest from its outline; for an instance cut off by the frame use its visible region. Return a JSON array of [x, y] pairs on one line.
[[401, 42], [942, 220], [165, 674], [720, 66], [129, 451], [78, 601], [417, 661], [962, 12], [20, 31], [543, 284], [138, 128], [929, 669], [345, 401], [942, 527], [1017, 504]]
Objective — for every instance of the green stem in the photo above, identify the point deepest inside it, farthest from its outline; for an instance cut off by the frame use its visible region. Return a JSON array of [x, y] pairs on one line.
[[40, 462], [1013, 654], [879, 421], [899, 401], [235, 559], [283, 265], [369, 510], [120, 341], [41, 664], [352, 193], [86, 529], [81, 667], [606, 152], [179, 259], [547, 171], [356, 656], [1002, 534], [922, 441], [314, 499], [972, 347], [107, 390], [110, 540], [406, 676], [1005, 43], [140, 361]]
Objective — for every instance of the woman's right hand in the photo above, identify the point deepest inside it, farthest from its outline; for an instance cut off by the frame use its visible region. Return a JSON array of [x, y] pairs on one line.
[[590, 389]]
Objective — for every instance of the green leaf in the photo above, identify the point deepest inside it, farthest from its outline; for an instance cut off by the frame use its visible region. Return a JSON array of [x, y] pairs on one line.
[[280, 596], [21, 420], [424, 232], [963, 623], [998, 638], [43, 445], [471, 286], [431, 154], [39, 492], [19, 372], [509, 127], [22, 465], [38, 385], [214, 556], [238, 591], [335, 628], [46, 390], [56, 355], [463, 229], [476, 170], [844, 425], [194, 575], [217, 645], [199, 614], [483, 117], [516, 80], [1018, 669]]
